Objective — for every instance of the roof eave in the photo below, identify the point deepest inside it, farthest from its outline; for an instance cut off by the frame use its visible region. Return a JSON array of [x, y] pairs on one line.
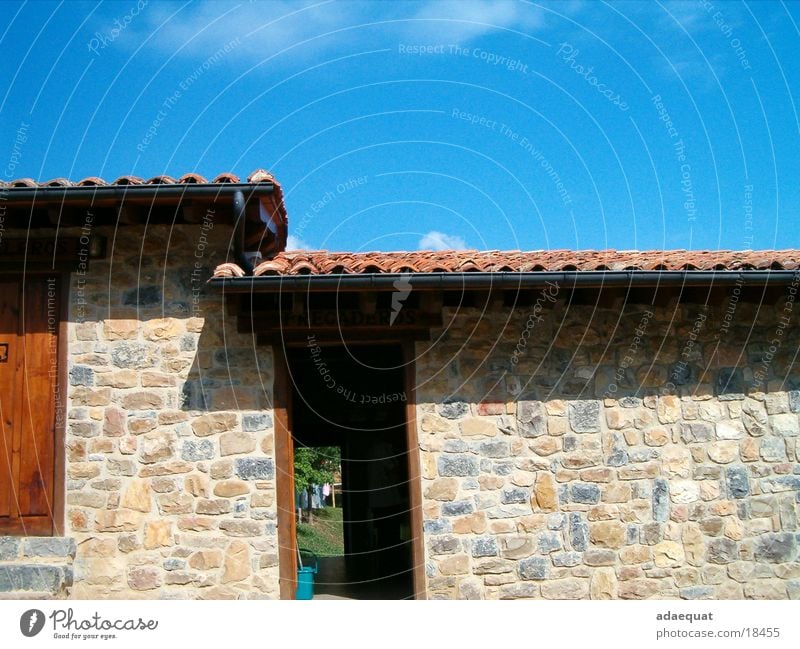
[[503, 280]]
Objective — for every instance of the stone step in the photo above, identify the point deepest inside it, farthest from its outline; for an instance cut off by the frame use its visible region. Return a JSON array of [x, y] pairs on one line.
[[21, 580]]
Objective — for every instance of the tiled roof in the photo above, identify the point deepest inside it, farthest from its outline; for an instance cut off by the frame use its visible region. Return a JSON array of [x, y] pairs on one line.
[[451, 261], [259, 175]]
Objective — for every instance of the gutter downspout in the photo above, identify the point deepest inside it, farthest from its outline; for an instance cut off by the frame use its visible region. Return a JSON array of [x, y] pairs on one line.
[[239, 235]]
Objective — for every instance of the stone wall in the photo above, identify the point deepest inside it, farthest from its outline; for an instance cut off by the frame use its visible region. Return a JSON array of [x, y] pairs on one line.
[[611, 452], [170, 469]]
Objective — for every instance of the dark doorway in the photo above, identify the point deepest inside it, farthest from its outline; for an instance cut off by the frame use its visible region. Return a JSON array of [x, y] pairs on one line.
[[354, 398]]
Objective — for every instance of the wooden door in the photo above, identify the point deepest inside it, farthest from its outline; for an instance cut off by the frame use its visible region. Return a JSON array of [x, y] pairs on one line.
[[29, 326]]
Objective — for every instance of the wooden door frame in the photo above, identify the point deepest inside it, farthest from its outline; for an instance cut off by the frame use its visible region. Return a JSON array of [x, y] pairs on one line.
[[284, 472]]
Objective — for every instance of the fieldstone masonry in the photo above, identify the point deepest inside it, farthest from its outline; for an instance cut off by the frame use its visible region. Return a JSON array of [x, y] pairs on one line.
[[579, 469], [559, 460], [170, 468]]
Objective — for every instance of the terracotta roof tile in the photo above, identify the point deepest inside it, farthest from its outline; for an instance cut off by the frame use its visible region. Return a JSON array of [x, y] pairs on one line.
[[450, 261], [259, 175]]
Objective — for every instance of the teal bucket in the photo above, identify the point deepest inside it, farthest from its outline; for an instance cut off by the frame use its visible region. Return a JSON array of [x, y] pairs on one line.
[[305, 579]]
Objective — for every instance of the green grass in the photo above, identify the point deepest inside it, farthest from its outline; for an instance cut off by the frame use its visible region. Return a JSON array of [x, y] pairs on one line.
[[323, 536]]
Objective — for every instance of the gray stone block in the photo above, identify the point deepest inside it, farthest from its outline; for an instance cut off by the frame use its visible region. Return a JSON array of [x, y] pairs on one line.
[[49, 547], [534, 568], [256, 422], [251, 468]]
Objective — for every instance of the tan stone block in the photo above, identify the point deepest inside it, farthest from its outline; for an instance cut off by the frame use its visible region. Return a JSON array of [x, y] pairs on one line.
[[162, 329], [677, 461], [709, 490], [457, 564], [607, 534], [104, 571], [502, 526], [723, 452], [141, 425], [603, 513], [137, 496], [431, 423], [213, 423], [144, 578], [523, 478], [557, 426], [120, 329], [97, 548], [168, 417], [733, 528], [638, 589], [117, 520], [429, 469], [668, 409], [532, 523], [632, 437], [119, 379], [157, 380], [603, 584], [693, 544], [517, 547], [545, 445], [544, 497], [196, 524], [616, 492], [205, 559], [86, 331], [442, 489], [750, 449], [262, 499], [566, 589], [556, 407], [597, 475], [128, 445], [142, 400], [234, 443], [643, 471], [167, 468], [472, 524], [231, 488], [634, 554], [657, 436], [765, 589], [158, 534], [156, 446], [196, 484], [490, 482], [478, 427], [268, 443], [79, 470], [221, 469], [668, 554], [619, 418], [237, 562], [163, 485], [175, 503], [89, 397]]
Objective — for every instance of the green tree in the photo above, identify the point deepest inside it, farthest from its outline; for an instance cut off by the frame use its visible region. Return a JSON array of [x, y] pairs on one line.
[[315, 466]]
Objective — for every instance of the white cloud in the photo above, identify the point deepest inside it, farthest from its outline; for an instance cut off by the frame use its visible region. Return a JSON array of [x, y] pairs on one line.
[[434, 240], [200, 30], [295, 243]]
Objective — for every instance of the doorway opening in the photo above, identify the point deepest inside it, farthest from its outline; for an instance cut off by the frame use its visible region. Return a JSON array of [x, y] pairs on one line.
[[353, 399]]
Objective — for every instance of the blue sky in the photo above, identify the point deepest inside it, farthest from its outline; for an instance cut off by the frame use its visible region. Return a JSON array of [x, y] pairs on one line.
[[406, 125]]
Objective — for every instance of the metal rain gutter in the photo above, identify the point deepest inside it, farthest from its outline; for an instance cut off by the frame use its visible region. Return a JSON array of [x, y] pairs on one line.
[[82, 193], [502, 280]]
